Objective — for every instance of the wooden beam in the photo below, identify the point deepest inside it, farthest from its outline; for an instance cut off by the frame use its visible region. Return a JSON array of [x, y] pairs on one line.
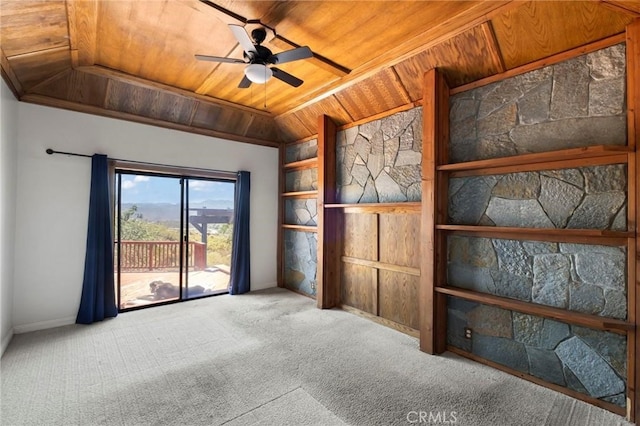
[[82, 16], [329, 220], [10, 77], [493, 46], [633, 105], [433, 327], [280, 259]]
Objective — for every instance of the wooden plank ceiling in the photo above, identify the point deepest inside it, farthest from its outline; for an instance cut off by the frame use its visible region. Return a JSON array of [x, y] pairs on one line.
[[134, 60]]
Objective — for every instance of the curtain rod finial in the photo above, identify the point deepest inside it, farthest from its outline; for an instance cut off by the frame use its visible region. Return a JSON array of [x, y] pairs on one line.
[[49, 151]]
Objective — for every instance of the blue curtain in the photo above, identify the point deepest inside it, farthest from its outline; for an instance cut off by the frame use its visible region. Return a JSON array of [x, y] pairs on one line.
[[240, 256], [98, 294]]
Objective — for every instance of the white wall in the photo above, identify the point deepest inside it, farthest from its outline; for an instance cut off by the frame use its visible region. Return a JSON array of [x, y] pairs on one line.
[[8, 157], [53, 198]]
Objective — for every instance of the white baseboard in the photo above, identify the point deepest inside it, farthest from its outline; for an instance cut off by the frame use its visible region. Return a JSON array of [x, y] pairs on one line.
[[43, 325], [6, 341]]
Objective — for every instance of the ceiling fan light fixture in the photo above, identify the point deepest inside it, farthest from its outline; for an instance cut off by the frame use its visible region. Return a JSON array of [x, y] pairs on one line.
[[258, 73]]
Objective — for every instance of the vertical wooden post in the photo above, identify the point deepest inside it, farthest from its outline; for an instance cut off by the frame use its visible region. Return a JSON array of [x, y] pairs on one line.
[[329, 219], [280, 247], [435, 140], [633, 293]]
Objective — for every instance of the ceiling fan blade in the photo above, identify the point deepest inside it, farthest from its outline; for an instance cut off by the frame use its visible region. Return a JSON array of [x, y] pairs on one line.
[[286, 77], [219, 59], [243, 38], [244, 83], [292, 55]]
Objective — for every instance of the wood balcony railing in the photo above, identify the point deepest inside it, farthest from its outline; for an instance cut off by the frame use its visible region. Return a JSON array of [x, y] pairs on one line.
[[152, 255]]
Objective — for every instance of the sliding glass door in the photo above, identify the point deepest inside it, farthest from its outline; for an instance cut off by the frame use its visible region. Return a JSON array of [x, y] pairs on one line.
[[172, 238]]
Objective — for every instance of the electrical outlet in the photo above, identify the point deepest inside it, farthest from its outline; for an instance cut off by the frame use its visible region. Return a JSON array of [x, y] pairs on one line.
[[467, 333], [313, 285]]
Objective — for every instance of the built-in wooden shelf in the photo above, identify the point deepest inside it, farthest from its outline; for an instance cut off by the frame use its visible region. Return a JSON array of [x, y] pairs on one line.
[[403, 207], [301, 194], [560, 159], [309, 163], [578, 236], [304, 228], [571, 317]]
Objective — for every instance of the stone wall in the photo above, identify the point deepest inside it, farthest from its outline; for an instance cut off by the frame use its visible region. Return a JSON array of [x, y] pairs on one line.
[[590, 279], [300, 261], [301, 151], [380, 161], [301, 211], [586, 197], [301, 180], [584, 360], [579, 102], [300, 248]]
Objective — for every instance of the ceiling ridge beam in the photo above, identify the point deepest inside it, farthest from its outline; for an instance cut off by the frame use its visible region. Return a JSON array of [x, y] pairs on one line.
[[476, 15], [620, 7], [82, 21], [141, 82]]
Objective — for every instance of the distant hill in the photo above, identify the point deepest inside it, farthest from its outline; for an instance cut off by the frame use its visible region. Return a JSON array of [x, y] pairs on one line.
[[167, 212]]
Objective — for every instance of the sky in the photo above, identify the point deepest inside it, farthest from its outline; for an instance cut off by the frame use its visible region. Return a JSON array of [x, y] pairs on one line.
[[154, 189]]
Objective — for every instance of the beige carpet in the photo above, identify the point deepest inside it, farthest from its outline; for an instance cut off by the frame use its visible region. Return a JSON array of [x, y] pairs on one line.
[[266, 358]]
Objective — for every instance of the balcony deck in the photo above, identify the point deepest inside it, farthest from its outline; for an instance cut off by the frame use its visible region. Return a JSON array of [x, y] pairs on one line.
[[135, 290]]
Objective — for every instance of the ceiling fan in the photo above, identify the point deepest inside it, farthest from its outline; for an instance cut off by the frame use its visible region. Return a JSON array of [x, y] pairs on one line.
[[258, 59]]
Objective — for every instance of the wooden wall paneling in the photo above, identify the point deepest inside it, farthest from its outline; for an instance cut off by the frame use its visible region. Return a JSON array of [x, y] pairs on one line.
[[629, 6], [32, 68], [33, 26], [359, 287], [216, 117], [328, 106], [540, 29], [76, 86], [464, 58], [399, 241], [398, 298], [633, 105], [290, 128], [360, 236], [83, 22], [329, 220], [262, 127], [381, 92], [434, 141]]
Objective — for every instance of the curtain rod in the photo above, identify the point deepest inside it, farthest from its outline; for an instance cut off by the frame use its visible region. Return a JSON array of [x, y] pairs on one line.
[[74, 154]]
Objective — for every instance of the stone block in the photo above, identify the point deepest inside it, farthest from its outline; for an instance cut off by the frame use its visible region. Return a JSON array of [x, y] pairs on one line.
[[593, 372], [620, 221], [607, 63], [406, 176], [615, 304], [553, 332], [505, 92], [499, 122], [607, 97], [408, 158], [539, 247], [517, 186], [362, 146], [513, 258], [370, 195], [527, 329], [375, 164], [534, 79], [572, 381], [570, 133], [493, 146], [571, 176], [597, 211], [603, 270], [545, 365], [462, 130], [350, 193], [612, 347], [490, 321], [518, 213], [585, 298], [570, 95], [559, 200], [414, 192], [369, 129], [503, 351], [476, 252], [394, 125], [469, 203], [470, 277], [360, 173], [347, 136], [513, 286], [388, 190], [391, 148], [551, 275], [534, 107], [610, 178], [462, 108]]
